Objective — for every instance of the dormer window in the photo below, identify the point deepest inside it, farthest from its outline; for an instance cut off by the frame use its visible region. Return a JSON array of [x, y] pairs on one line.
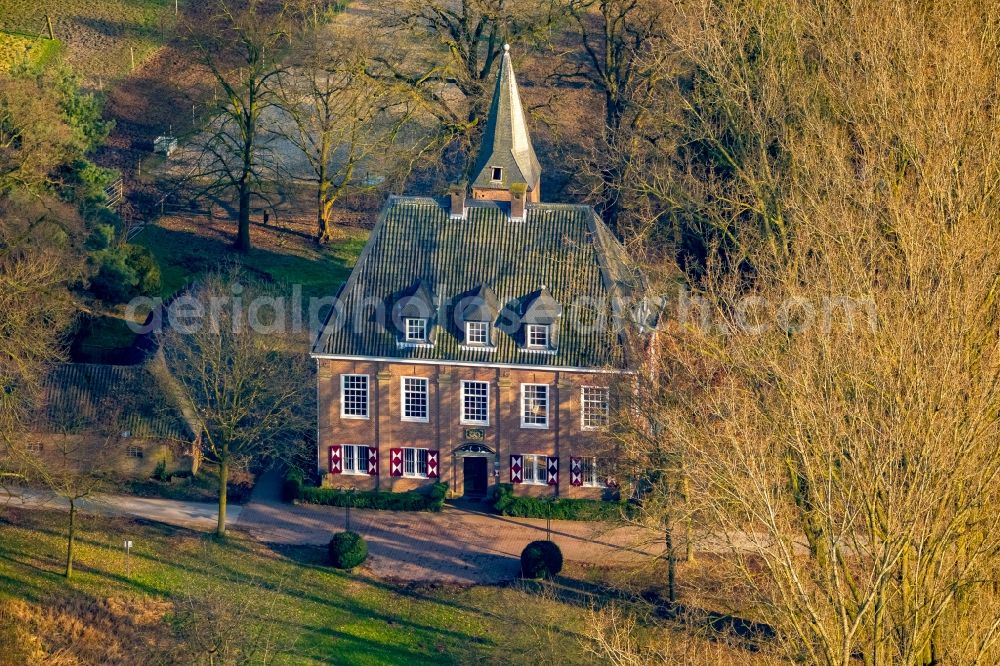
[[475, 312], [477, 333], [537, 336], [413, 317], [540, 314], [496, 174], [416, 330]]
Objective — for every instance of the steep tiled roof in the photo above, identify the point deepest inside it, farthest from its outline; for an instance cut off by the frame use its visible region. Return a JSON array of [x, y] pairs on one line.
[[565, 249], [506, 141], [80, 397]]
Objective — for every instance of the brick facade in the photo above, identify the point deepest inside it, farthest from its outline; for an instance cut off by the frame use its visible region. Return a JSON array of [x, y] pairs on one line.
[[135, 457], [443, 266], [444, 432], [498, 194]]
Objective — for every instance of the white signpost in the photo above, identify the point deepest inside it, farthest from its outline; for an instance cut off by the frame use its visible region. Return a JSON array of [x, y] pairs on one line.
[[128, 551]]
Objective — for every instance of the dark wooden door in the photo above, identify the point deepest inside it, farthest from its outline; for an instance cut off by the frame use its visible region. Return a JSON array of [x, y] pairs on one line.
[[475, 477]]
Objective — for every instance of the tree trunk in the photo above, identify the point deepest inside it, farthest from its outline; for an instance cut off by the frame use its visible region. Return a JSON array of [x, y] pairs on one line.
[[668, 541], [223, 496], [688, 540], [70, 539], [322, 212], [196, 456], [688, 522], [243, 231]]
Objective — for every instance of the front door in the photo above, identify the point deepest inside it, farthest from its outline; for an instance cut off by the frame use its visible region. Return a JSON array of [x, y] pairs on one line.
[[476, 478]]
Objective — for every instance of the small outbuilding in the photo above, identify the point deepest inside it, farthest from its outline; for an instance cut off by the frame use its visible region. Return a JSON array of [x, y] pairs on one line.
[[164, 145]]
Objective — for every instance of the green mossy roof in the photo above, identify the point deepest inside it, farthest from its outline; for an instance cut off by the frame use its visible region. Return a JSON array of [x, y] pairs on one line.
[[87, 398], [562, 247]]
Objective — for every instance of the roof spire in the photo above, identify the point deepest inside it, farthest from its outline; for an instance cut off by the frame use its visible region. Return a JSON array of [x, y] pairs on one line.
[[506, 155]]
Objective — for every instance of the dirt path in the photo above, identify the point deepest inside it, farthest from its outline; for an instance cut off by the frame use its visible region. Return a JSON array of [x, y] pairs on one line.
[[196, 515], [457, 545]]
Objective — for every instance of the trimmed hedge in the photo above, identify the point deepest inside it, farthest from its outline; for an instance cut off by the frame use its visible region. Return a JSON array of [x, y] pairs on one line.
[[541, 559], [507, 504], [291, 488], [412, 500], [347, 550]]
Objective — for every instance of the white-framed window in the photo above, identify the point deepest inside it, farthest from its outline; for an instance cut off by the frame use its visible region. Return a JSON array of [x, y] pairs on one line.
[[496, 174], [414, 390], [134, 452], [535, 469], [537, 336], [594, 472], [534, 406], [354, 396], [355, 459], [415, 463], [34, 447], [475, 402], [416, 329], [477, 333], [594, 407]]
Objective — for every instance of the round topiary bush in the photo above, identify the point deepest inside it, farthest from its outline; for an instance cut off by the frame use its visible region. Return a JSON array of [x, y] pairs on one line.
[[347, 550], [541, 559]]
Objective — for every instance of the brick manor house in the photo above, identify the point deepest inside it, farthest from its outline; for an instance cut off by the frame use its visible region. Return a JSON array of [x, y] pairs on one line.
[[473, 343]]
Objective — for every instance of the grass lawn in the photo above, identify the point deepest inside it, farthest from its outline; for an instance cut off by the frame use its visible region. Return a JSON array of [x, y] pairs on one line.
[[100, 36], [185, 249], [17, 49], [189, 247], [310, 613]]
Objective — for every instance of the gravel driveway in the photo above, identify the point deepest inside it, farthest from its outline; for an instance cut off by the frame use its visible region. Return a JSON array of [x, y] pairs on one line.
[[457, 545], [461, 544]]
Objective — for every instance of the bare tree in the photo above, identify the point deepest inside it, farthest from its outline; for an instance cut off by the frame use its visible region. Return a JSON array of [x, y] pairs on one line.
[[35, 266], [842, 434], [459, 45], [617, 38], [620, 40], [243, 57], [621, 635], [313, 14], [76, 461], [653, 469], [342, 121], [245, 378]]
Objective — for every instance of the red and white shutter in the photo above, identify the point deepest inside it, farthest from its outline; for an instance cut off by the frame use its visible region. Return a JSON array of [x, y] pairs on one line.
[[433, 458], [516, 469], [372, 461], [575, 472], [553, 470], [336, 459], [395, 462]]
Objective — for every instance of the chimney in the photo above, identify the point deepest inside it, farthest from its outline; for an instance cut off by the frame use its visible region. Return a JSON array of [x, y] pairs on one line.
[[457, 193], [518, 194]]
